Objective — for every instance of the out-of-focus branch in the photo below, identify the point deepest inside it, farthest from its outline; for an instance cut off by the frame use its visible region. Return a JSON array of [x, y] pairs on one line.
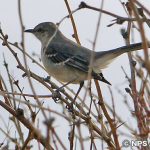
[[21, 118], [111, 123], [118, 20], [73, 22]]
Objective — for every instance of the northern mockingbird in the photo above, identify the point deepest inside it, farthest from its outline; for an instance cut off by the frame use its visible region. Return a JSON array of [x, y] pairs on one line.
[[68, 61]]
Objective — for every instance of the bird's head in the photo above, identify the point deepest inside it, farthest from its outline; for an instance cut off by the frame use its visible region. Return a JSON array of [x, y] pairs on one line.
[[44, 31]]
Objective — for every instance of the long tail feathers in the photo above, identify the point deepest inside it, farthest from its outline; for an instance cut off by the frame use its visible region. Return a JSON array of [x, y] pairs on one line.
[[104, 58], [121, 50]]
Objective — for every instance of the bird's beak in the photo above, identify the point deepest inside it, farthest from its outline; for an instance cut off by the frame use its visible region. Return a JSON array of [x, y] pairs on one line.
[[29, 31]]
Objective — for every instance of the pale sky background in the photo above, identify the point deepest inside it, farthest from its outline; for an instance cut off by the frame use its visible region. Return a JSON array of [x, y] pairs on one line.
[[37, 11]]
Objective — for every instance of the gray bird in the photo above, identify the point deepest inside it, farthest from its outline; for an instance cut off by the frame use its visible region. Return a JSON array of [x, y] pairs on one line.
[[68, 61]]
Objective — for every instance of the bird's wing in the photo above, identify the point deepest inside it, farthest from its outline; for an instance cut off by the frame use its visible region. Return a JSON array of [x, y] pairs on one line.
[[62, 54]]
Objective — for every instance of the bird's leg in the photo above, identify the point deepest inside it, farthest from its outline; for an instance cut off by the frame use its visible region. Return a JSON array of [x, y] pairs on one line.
[[80, 87], [60, 88], [91, 96]]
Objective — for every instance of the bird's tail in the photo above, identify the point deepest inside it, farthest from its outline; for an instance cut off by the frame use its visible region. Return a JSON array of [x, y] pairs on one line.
[[104, 58], [129, 48]]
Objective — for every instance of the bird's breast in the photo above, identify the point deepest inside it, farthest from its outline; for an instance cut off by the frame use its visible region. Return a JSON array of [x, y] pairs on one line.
[[62, 72]]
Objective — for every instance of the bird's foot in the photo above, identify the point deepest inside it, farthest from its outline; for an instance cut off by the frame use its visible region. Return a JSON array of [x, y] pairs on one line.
[[56, 96], [70, 107]]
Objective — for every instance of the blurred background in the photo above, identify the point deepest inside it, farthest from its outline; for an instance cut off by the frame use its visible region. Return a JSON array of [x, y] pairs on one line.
[[37, 11]]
